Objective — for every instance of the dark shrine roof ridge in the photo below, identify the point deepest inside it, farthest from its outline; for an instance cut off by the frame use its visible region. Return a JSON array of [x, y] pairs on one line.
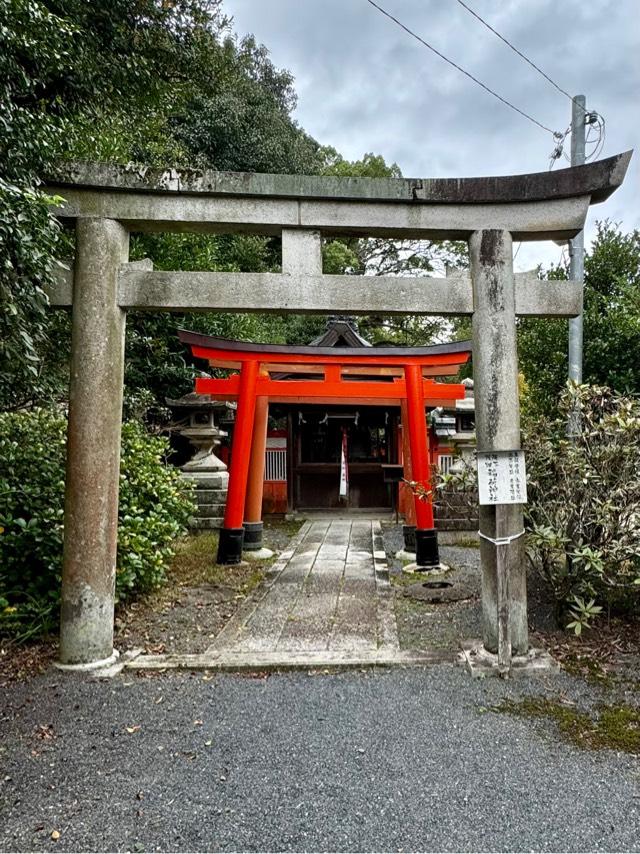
[[198, 339]]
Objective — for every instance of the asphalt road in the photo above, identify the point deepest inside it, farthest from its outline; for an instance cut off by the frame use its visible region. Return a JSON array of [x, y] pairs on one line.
[[402, 760]]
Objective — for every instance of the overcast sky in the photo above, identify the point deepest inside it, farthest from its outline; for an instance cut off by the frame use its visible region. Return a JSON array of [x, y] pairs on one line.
[[365, 85]]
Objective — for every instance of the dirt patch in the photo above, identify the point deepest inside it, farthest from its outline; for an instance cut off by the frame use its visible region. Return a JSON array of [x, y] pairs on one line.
[[436, 619], [20, 662], [425, 626], [186, 613], [608, 653]]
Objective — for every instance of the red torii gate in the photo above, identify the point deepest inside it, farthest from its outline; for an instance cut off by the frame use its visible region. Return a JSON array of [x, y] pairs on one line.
[[375, 376]]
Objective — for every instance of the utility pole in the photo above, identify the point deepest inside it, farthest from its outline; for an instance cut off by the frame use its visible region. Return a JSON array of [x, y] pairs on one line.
[[579, 119]]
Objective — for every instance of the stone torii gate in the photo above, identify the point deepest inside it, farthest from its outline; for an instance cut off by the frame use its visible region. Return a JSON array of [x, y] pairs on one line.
[[108, 202]]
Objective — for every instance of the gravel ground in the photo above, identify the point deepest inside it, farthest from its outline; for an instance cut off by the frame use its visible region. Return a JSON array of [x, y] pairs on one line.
[[401, 760], [443, 626]]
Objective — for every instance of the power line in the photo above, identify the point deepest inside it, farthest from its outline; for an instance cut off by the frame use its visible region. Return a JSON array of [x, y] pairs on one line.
[[426, 44], [515, 50], [592, 118]]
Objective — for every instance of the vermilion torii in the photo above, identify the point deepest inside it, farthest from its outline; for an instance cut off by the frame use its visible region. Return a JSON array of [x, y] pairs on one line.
[[378, 376]]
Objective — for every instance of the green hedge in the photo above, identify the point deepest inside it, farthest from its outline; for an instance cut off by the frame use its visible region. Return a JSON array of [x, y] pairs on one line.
[[155, 505]]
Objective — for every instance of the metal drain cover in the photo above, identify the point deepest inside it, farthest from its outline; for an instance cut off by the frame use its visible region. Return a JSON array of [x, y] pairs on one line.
[[440, 590]]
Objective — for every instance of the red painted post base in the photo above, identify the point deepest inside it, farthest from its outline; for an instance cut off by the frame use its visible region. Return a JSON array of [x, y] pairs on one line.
[[427, 553], [230, 546]]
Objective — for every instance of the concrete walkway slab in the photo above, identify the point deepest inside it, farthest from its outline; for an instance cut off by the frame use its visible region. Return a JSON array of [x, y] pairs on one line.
[[327, 602]]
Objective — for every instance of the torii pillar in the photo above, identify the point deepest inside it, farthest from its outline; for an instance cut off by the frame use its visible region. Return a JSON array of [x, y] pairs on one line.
[[409, 527], [253, 524], [427, 555], [495, 373], [232, 532]]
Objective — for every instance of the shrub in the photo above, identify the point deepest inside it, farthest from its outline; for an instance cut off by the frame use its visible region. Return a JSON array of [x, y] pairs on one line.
[[154, 508], [584, 502]]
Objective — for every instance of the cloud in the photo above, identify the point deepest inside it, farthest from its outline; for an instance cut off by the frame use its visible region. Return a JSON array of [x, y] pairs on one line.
[[365, 85]]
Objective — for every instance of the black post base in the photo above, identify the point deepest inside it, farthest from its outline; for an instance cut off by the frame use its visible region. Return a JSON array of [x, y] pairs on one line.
[[253, 536], [427, 553], [230, 546], [409, 535]]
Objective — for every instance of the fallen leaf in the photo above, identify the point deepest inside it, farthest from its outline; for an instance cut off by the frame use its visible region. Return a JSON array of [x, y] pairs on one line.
[[55, 834], [45, 732], [132, 729]]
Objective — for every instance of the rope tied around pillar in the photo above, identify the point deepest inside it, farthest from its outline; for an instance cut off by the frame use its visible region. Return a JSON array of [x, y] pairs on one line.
[[502, 541]]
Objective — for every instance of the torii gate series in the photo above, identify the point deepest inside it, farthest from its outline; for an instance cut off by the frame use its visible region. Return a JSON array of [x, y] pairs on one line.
[[107, 202], [376, 376]]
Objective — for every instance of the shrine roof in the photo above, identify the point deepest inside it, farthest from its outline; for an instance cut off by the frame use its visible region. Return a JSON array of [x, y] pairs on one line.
[[197, 339]]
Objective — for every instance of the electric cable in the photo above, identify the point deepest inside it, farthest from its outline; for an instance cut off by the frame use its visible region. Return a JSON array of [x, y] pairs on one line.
[[519, 52], [595, 119], [555, 134]]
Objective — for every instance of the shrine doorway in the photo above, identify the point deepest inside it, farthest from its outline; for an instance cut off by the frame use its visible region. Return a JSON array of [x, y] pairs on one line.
[[368, 435]]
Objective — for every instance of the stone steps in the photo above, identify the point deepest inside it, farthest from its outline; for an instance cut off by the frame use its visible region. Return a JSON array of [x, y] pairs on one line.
[[210, 510], [210, 480], [211, 496], [211, 523]]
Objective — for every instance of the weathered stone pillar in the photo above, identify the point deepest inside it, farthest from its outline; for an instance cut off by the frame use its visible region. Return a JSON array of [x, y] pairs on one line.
[[93, 445], [495, 371]]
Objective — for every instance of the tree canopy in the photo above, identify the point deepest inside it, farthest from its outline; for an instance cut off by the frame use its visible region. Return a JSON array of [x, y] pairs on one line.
[[611, 323], [171, 84]]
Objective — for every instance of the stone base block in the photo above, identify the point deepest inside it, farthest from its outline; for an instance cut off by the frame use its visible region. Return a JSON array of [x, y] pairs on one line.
[[259, 554], [480, 663], [424, 570], [208, 480], [213, 523], [406, 556], [210, 511]]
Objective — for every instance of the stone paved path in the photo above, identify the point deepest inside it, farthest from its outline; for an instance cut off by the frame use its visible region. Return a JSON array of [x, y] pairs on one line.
[[326, 601], [328, 593]]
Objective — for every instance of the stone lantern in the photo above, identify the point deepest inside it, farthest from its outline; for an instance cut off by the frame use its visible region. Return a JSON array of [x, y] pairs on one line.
[[194, 417]]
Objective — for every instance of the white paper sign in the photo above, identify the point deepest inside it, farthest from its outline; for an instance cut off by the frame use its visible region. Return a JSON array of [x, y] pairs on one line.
[[502, 478]]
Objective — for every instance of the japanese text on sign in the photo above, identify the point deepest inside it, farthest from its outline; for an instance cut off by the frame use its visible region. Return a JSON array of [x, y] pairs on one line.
[[502, 478]]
